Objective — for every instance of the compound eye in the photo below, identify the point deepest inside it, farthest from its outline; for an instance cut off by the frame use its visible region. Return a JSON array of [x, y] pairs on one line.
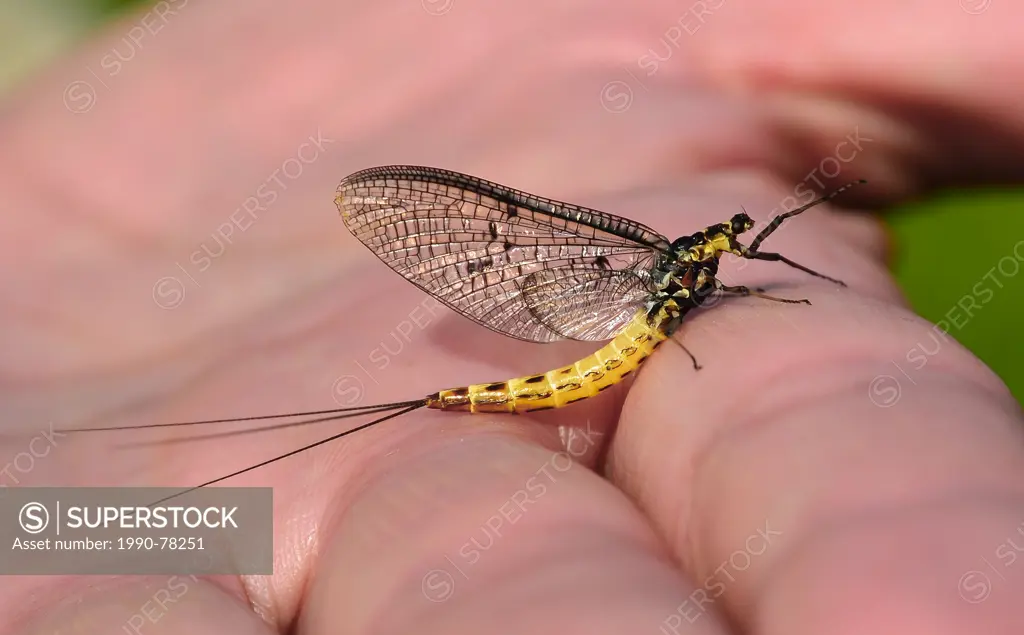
[[741, 223]]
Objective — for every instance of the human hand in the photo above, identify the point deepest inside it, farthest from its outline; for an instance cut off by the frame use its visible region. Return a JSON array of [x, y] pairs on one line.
[[765, 493]]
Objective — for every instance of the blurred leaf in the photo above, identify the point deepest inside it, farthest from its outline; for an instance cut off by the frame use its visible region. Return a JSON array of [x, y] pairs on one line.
[[956, 263], [109, 8]]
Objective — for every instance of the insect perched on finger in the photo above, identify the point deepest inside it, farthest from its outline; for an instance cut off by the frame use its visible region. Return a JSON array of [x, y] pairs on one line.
[[537, 270]]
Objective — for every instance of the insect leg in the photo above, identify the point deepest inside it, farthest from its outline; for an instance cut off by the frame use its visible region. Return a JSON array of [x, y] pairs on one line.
[[750, 254], [772, 226], [696, 366], [746, 291]]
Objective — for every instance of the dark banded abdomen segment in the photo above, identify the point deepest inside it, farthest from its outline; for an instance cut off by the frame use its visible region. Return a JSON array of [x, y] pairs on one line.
[[562, 386]]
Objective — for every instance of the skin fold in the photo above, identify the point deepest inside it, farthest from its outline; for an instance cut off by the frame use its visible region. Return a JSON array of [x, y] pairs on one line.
[[796, 484]]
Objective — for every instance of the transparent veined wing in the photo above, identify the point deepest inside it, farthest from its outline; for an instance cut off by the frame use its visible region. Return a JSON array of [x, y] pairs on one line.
[[472, 243], [583, 303]]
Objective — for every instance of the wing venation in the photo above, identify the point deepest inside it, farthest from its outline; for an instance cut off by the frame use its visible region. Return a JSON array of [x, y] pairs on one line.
[[585, 304], [473, 245]]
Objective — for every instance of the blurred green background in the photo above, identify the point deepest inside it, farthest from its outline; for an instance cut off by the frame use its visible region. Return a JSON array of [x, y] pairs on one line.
[[939, 281]]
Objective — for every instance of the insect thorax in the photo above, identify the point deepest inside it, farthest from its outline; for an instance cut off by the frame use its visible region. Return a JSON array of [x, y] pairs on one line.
[[685, 277]]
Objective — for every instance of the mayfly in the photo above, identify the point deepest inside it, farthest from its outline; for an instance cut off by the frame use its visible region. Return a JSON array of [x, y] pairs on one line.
[[534, 269]]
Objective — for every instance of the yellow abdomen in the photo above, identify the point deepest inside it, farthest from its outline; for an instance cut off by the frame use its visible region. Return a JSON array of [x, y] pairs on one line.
[[562, 386]]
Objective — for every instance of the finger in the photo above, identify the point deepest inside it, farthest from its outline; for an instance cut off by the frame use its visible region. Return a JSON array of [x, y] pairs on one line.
[[796, 489], [934, 113], [478, 530], [133, 605], [495, 536]]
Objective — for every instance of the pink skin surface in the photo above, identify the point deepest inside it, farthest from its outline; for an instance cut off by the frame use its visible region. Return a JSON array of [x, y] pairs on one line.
[[797, 484]]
